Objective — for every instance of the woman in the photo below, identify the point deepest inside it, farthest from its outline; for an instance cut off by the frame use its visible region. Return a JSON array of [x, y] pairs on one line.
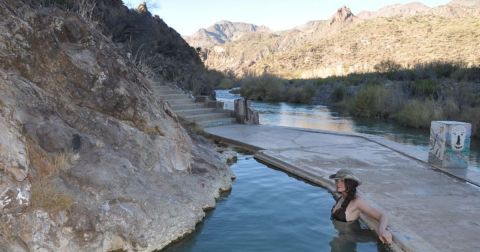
[[349, 206]]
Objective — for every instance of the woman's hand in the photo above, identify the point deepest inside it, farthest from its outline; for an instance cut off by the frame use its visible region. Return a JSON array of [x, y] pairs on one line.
[[385, 236]]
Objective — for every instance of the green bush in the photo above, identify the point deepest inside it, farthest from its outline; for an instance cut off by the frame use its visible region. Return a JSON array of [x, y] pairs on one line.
[[419, 114], [371, 101], [225, 83], [338, 94], [467, 74], [424, 88], [263, 88]]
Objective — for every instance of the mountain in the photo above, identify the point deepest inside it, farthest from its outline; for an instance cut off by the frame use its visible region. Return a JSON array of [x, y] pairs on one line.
[[346, 44], [466, 3], [222, 32], [404, 10]]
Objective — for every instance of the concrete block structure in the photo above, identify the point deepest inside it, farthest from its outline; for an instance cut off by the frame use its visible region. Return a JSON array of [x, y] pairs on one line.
[[449, 144], [244, 113]]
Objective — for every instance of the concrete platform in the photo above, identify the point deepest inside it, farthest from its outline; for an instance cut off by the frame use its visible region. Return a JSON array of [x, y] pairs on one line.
[[429, 210]]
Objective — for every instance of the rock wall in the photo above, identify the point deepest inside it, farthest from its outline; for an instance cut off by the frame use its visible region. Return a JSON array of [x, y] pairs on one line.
[[89, 160]]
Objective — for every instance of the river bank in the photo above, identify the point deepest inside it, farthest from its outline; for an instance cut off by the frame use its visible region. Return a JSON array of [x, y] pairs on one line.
[[410, 97]]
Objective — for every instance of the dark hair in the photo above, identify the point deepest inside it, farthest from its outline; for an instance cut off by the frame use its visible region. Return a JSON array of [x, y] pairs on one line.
[[351, 189]]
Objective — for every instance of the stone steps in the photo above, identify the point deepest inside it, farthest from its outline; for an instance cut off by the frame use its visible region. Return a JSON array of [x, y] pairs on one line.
[[173, 96], [186, 107], [207, 116], [180, 101], [168, 92], [217, 122], [195, 111]]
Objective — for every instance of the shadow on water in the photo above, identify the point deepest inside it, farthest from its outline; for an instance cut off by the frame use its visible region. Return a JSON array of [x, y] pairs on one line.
[[269, 210]]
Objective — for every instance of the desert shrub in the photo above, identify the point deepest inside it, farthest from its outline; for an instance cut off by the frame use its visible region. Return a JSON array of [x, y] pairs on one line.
[[443, 69], [338, 93], [467, 74], [60, 3], [451, 109], [371, 102], [419, 114], [386, 66], [471, 115], [225, 83], [299, 94], [424, 88], [264, 88]]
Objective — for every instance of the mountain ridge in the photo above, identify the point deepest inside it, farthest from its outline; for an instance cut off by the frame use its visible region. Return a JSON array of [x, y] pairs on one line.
[[222, 32], [329, 47]]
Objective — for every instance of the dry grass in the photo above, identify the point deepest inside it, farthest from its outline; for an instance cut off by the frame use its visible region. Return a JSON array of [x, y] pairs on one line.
[[142, 125], [44, 195], [46, 164]]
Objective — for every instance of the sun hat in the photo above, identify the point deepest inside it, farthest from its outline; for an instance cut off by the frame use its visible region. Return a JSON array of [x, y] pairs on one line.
[[345, 174]]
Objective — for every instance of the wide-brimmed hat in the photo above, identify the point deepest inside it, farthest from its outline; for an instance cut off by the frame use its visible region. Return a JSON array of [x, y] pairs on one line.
[[345, 174]]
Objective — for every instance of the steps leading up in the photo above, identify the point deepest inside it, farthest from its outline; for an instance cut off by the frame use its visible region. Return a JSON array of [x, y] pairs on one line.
[[207, 116], [217, 122], [197, 112]]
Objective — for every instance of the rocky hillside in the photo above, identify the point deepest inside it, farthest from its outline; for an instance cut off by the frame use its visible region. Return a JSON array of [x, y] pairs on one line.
[[345, 43], [221, 33], [405, 10], [151, 43], [89, 159], [466, 3]]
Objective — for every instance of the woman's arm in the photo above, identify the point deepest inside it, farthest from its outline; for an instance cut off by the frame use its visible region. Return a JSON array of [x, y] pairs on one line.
[[384, 235]]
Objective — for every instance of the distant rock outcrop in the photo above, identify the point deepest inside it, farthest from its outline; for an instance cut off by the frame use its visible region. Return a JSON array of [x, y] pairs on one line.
[[142, 8], [223, 32], [342, 16]]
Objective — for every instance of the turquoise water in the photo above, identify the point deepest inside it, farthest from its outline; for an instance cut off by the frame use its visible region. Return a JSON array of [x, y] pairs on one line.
[[268, 210]]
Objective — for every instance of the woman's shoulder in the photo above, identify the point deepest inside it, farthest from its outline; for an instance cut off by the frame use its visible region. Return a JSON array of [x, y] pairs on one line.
[[357, 201]]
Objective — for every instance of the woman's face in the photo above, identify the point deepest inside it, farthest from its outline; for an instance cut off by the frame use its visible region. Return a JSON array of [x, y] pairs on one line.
[[340, 183]]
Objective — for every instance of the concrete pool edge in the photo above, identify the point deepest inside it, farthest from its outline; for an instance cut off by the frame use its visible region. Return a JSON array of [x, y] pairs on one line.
[[394, 147], [404, 238], [414, 243], [398, 244]]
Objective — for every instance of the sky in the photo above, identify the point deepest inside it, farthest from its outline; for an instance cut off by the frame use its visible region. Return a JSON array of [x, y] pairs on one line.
[[188, 16]]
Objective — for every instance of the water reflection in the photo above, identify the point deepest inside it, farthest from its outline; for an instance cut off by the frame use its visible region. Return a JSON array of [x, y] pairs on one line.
[[351, 235]]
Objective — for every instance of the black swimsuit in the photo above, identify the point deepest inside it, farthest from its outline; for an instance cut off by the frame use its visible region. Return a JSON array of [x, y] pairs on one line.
[[339, 214]]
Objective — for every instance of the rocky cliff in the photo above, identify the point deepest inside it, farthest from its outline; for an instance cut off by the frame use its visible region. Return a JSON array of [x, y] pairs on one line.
[[149, 42], [222, 32], [89, 159], [346, 44]]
